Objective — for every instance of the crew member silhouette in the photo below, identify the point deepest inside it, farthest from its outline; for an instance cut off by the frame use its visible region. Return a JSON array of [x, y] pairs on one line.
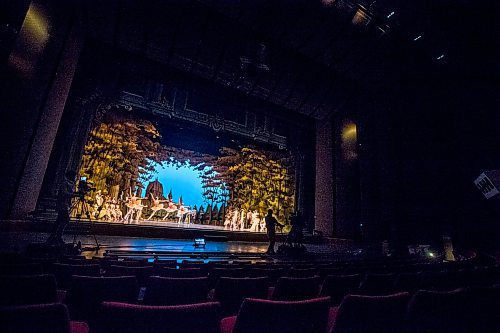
[[64, 196], [271, 223]]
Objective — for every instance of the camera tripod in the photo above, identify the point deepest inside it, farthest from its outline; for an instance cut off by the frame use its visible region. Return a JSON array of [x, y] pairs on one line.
[[79, 208]]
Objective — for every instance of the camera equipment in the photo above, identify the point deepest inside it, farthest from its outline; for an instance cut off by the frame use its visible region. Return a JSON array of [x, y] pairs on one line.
[[80, 207], [84, 187]]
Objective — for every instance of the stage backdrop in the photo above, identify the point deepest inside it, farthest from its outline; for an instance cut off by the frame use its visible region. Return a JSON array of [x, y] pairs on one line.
[[134, 178]]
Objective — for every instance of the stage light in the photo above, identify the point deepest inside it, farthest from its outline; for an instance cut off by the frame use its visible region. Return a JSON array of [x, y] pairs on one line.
[[361, 18], [349, 132], [327, 3], [431, 254], [390, 15], [440, 57], [199, 242], [32, 39], [417, 38]]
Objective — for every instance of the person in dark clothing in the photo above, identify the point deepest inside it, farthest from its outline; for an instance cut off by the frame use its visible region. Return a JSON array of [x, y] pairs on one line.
[[295, 236], [271, 223], [64, 196]]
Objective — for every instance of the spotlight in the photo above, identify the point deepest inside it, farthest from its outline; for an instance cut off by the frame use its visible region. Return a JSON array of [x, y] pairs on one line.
[[327, 3], [361, 17]]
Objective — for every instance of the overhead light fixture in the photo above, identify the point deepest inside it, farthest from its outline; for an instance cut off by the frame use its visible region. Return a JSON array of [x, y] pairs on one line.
[[257, 57], [262, 57], [327, 3], [391, 14], [417, 38], [440, 57], [361, 17]]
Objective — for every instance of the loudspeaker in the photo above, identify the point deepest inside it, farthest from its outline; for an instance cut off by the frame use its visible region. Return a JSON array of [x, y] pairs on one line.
[[488, 183]]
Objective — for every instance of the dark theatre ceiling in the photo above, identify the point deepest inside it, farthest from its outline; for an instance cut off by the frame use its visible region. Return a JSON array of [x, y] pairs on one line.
[[309, 56]]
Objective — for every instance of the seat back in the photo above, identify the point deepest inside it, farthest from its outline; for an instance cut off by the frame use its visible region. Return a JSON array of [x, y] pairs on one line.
[[272, 273], [360, 313], [258, 315], [337, 286], [302, 272], [40, 318], [86, 293], [142, 273], [217, 273], [21, 269], [295, 289], [27, 289], [231, 292], [183, 272], [484, 305], [409, 282], [377, 284], [438, 311], [175, 291], [63, 273], [132, 318]]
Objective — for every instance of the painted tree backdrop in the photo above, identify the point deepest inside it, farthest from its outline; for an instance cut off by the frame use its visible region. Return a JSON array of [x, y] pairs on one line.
[[121, 154]]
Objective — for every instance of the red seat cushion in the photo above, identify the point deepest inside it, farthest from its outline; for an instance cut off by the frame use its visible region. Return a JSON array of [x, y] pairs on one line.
[[227, 324]]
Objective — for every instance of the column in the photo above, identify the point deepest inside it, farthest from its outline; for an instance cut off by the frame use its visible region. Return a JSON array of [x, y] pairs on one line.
[[43, 140], [324, 203]]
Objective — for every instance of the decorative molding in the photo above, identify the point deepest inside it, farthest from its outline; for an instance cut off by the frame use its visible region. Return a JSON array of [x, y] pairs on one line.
[[178, 109]]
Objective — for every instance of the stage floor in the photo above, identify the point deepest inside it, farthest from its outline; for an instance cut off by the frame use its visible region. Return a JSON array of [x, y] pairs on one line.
[[166, 224], [12, 241]]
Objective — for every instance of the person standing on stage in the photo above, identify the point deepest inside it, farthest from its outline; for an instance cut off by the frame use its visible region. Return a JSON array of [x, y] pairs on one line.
[[271, 223], [64, 196]]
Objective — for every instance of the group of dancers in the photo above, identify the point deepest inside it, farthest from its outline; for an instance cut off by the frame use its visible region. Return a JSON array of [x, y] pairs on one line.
[[111, 210], [239, 220], [165, 209]]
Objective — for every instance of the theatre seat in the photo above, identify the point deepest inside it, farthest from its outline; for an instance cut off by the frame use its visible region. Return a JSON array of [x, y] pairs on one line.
[[484, 306], [295, 289], [377, 284], [217, 273], [263, 316], [231, 292], [409, 282], [183, 272], [133, 318], [360, 313], [302, 272], [86, 293], [338, 286], [63, 273], [27, 289], [21, 269], [175, 291], [142, 273], [39, 318], [438, 311]]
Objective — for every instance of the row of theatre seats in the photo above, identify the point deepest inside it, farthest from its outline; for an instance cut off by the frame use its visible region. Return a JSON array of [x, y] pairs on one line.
[[131, 296]]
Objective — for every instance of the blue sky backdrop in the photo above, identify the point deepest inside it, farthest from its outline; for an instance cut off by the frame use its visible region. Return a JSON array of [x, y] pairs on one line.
[[183, 181]]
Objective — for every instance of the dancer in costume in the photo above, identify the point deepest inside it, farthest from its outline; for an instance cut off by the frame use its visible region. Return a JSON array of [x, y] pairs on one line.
[[157, 205], [171, 208]]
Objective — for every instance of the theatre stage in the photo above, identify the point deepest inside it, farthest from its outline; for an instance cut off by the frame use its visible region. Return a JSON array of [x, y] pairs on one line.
[[174, 242]]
